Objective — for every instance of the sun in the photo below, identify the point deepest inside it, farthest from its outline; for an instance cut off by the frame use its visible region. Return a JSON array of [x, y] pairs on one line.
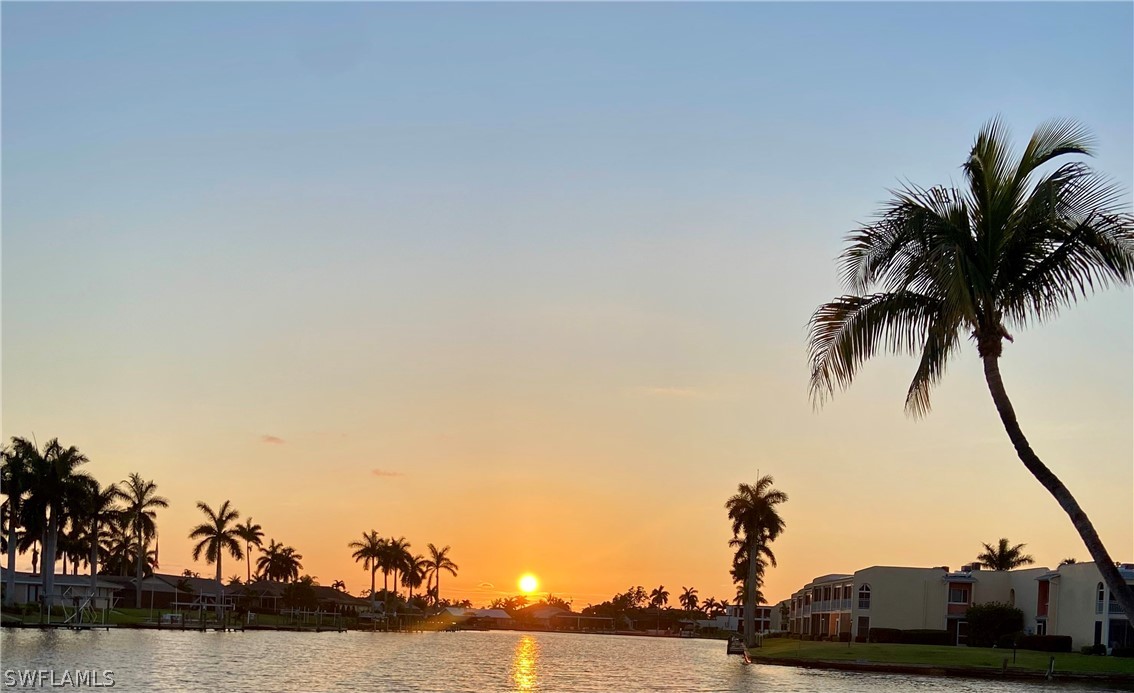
[[528, 583]]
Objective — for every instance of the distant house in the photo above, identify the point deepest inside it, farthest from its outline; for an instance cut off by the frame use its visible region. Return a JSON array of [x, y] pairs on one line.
[[489, 618], [156, 593], [176, 592], [69, 590], [331, 599], [732, 619], [538, 615], [261, 595]]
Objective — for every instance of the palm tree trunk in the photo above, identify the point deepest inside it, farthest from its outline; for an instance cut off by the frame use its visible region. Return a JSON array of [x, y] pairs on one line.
[[49, 561], [94, 565], [248, 557], [1113, 579], [373, 571], [10, 578], [218, 585], [750, 596], [141, 557]]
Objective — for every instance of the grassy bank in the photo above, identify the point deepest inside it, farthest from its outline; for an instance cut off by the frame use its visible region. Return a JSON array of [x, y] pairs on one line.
[[930, 655]]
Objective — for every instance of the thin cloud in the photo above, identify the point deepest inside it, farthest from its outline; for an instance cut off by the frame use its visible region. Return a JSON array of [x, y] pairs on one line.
[[385, 473], [271, 440], [486, 586]]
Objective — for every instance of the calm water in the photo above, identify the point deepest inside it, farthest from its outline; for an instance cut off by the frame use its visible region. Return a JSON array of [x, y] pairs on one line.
[[466, 661]]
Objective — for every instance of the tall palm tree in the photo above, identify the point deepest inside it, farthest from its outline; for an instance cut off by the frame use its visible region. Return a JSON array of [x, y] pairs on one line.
[[741, 565], [279, 562], [216, 535], [369, 551], [142, 502], [252, 535], [1004, 556], [289, 564], [1019, 243], [414, 573], [14, 481], [268, 560], [98, 509], [688, 598], [439, 561], [396, 558], [757, 523], [55, 484], [659, 597]]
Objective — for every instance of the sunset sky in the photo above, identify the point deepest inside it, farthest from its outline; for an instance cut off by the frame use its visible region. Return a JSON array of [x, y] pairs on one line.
[[533, 281]]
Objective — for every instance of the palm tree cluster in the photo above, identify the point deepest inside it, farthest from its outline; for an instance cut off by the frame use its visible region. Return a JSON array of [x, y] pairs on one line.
[[1028, 235], [393, 557], [50, 502], [221, 533], [755, 524]]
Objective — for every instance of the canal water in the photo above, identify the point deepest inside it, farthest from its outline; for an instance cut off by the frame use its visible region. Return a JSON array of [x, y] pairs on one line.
[[138, 660]]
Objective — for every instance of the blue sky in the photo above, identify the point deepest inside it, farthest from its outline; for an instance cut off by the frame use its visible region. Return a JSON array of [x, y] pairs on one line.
[[382, 228]]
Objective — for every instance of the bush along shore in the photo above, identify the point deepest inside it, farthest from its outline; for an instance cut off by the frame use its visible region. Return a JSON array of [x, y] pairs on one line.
[[944, 660]]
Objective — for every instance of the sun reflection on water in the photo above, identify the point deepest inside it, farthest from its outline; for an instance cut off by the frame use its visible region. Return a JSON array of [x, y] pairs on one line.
[[524, 664]]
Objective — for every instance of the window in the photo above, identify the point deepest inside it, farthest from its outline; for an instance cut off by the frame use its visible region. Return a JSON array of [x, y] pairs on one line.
[[1100, 599], [958, 594], [864, 597]]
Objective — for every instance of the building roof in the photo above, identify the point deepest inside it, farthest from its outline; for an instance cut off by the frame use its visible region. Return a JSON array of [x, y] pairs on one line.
[[22, 578], [329, 594], [491, 613], [196, 585]]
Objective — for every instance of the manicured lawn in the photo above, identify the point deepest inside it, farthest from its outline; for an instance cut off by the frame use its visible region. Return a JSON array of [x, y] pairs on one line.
[[941, 656]]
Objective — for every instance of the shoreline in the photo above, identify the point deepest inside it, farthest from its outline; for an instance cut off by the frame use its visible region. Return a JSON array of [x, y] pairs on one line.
[[951, 671]]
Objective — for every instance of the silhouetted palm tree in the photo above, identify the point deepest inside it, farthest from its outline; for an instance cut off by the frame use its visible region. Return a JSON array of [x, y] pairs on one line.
[[396, 557], [1003, 556], [757, 523], [251, 534], [659, 597], [414, 573], [279, 562], [1014, 247], [339, 585], [688, 598], [369, 551], [217, 534], [140, 513], [54, 485], [14, 482], [98, 510], [438, 561]]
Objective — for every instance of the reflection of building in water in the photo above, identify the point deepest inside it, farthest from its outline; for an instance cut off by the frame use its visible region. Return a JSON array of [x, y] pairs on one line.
[[524, 664]]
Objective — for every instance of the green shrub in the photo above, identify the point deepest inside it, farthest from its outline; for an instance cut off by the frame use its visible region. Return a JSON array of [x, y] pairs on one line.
[[1045, 643], [845, 636], [885, 635], [991, 621], [926, 636], [1099, 649], [1120, 651]]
